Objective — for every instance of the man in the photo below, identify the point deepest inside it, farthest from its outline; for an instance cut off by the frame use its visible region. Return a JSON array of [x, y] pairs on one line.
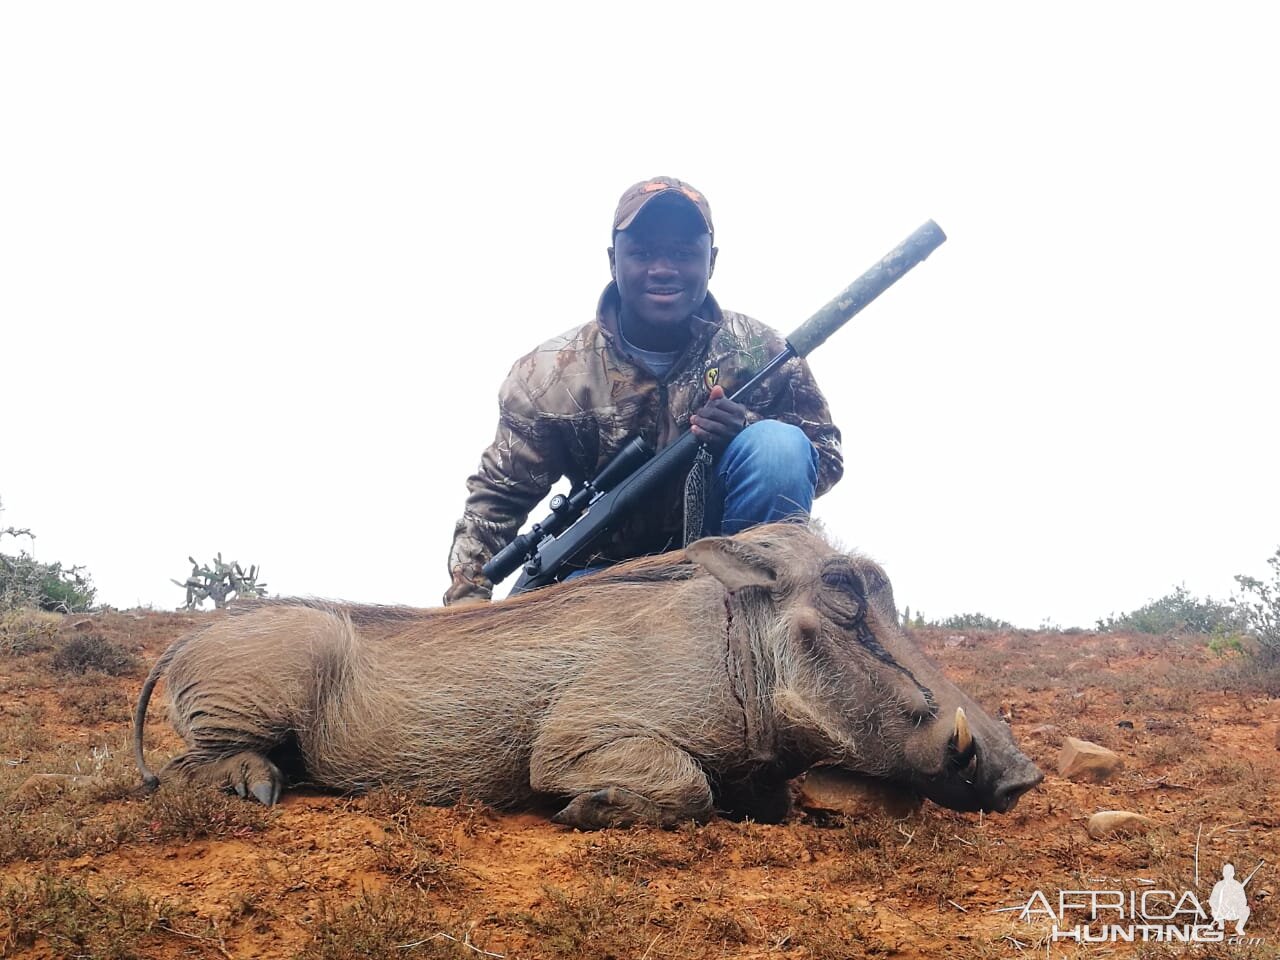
[[659, 359]]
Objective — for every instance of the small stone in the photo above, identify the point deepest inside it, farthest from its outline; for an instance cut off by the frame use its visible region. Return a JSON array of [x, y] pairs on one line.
[[1125, 724], [1106, 823], [825, 788], [1083, 760]]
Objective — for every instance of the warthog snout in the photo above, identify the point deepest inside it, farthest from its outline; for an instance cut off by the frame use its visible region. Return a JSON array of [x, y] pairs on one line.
[[1012, 787], [981, 768]]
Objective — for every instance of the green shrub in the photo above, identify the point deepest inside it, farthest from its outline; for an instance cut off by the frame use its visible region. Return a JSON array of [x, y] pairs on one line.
[[1179, 612], [1260, 606], [26, 582], [1220, 645], [973, 621]]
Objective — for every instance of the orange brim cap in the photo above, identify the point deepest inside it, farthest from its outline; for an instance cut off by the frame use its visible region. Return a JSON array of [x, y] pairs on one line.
[[638, 195]]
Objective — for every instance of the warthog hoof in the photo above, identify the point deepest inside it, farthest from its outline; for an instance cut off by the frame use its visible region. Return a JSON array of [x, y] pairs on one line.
[[247, 773], [610, 807]]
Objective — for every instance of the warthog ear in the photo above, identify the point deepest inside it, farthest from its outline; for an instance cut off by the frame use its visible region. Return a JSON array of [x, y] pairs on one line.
[[733, 563]]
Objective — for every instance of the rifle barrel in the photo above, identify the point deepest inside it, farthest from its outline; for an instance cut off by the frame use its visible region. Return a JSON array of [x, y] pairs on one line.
[[841, 308]]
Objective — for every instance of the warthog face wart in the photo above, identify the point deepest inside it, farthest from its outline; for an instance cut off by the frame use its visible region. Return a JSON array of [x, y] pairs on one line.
[[663, 689], [856, 692]]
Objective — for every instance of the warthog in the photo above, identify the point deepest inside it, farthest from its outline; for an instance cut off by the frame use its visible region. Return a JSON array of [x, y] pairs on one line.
[[661, 689]]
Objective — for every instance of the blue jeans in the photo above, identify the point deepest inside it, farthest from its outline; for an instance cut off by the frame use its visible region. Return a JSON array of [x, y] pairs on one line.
[[768, 472]]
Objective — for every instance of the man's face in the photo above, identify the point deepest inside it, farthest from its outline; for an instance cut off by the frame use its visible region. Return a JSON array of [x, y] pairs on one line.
[[662, 264]]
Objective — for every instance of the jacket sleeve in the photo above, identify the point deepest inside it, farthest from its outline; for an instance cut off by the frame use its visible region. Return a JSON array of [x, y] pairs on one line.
[[516, 471], [797, 400]]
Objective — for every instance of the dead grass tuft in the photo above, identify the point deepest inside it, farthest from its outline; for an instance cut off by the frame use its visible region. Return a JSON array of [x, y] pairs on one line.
[[1257, 673], [71, 921], [85, 652], [423, 862], [421, 846], [631, 854], [26, 631], [831, 930], [89, 703], [406, 805], [396, 924], [85, 819], [608, 919], [186, 812], [22, 732]]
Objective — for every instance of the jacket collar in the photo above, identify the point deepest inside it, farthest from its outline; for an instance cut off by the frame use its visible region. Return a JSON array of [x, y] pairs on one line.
[[703, 325]]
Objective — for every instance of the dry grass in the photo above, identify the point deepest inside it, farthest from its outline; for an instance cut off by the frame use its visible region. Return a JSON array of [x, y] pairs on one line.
[[84, 819], [396, 924], [634, 854], [89, 703], [424, 862], [27, 631], [92, 652], [114, 923], [605, 919], [177, 812], [23, 732], [398, 878]]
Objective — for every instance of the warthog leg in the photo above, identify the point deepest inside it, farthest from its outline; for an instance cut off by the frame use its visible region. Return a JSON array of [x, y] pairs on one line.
[[610, 807], [632, 780], [247, 773]]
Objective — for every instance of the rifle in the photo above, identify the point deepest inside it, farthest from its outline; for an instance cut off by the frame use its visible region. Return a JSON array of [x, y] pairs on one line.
[[590, 511]]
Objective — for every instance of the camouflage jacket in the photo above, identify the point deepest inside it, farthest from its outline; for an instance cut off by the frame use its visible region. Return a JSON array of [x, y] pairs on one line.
[[569, 406]]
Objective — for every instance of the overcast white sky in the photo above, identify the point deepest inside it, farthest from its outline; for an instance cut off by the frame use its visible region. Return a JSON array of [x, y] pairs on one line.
[[264, 266]]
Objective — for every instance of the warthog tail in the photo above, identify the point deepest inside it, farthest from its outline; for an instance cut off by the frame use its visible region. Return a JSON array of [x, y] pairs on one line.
[[149, 779]]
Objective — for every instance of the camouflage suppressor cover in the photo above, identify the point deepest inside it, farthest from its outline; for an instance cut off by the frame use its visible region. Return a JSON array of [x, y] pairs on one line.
[[813, 332]]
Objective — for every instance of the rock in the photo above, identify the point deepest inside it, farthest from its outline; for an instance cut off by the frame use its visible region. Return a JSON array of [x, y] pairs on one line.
[[956, 640], [825, 788], [1106, 823], [1082, 760], [1044, 730], [1125, 724], [42, 786]]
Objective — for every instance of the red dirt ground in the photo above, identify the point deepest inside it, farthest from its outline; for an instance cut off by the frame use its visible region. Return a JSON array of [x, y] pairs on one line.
[[100, 871]]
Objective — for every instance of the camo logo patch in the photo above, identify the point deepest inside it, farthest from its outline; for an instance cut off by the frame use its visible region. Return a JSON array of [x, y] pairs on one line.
[[711, 377]]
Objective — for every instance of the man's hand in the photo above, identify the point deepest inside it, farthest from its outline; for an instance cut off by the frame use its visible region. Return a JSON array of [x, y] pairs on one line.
[[719, 421]]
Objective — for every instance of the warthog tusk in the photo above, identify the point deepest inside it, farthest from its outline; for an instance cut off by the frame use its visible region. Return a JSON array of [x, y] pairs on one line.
[[962, 737]]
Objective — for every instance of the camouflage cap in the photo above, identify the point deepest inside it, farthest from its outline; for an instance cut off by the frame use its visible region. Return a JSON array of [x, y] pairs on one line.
[[638, 195]]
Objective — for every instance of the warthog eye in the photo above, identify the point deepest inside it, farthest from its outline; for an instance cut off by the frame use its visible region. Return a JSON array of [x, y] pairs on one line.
[[838, 575]]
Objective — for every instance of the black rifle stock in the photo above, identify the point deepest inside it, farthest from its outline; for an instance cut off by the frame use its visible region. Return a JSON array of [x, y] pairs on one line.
[[591, 511]]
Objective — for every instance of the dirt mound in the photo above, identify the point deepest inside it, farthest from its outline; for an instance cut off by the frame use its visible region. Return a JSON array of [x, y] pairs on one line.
[[90, 868]]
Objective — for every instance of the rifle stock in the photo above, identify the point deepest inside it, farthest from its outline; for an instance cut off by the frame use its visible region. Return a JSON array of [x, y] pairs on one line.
[[582, 519]]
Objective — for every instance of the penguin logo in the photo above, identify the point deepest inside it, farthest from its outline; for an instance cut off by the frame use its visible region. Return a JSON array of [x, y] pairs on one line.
[[711, 377]]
